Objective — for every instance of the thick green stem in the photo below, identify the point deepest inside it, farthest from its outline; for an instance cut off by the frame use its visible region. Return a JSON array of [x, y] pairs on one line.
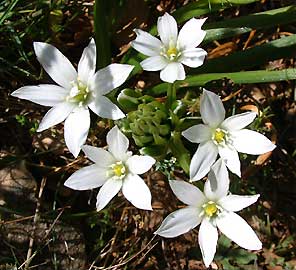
[[101, 27], [171, 96]]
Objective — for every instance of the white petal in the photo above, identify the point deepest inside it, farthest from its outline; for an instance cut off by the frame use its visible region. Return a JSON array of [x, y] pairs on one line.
[[231, 159], [109, 78], [146, 43], [179, 222], [251, 142], [136, 191], [202, 160], [236, 202], [193, 57], [104, 108], [140, 164], [87, 62], [154, 63], [207, 239], [217, 185], [55, 115], [87, 178], [191, 34], [101, 157], [107, 192], [187, 193], [57, 66], [117, 143], [43, 94], [211, 109], [172, 72], [76, 130], [238, 230], [198, 133], [238, 121], [167, 29]]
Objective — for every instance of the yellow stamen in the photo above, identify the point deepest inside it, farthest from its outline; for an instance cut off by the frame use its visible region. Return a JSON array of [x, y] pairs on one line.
[[119, 170], [210, 209], [172, 52], [219, 136]]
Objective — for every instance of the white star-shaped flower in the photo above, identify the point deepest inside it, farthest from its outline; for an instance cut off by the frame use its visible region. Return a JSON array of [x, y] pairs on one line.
[[114, 169], [225, 137], [214, 208], [173, 50], [75, 92]]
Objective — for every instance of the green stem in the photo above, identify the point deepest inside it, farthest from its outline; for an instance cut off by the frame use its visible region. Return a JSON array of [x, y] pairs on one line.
[[171, 96]]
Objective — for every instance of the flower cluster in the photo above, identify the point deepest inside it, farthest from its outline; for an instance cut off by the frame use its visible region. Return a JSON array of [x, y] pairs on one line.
[[116, 168]]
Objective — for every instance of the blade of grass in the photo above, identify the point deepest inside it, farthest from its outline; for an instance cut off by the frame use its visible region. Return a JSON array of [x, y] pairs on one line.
[[257, 76], [5, 15]]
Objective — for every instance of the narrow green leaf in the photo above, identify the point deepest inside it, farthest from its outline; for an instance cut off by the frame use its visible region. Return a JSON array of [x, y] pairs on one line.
[[245, 24], [254, 57], [258, 76], [102, 38]]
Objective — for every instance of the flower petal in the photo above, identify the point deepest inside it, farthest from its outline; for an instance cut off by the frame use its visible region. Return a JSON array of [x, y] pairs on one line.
[[211, 109], [179, 222], [235, 203], [100, 156], [107, 192], [238, 121], [198, 133], [43, 94], [238, 230], [172, 72], [154, 63], [87, 62], [191, 34], [146, 43], [167, 29], [202, 160], [193, 57], [109, 78], [137, 192], [87, 178], [187, 193], [217, 185], [207, 239], [57, 66], [251, 142], [117, 143], [140, 164], [231, 159], [76, 130], [55, 115], [104, 108]]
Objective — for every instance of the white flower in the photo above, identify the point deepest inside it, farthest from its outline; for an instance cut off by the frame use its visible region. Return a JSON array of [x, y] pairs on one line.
[[173, 50], [214, 208], [225, 137], [75, 92], [114, 169]]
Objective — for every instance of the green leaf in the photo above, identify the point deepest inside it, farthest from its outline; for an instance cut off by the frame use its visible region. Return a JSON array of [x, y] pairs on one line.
[[102, 38], [245, 24], [179, 151], [258, 76], [256, 56]]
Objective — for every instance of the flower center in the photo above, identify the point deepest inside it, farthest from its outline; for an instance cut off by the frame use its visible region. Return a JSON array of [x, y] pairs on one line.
[[117, 170], [172, 53], [219, 136], [210, 209], [79, 93]]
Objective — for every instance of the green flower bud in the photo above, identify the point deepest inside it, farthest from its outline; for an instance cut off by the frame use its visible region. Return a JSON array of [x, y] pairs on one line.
[[149, 124]]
